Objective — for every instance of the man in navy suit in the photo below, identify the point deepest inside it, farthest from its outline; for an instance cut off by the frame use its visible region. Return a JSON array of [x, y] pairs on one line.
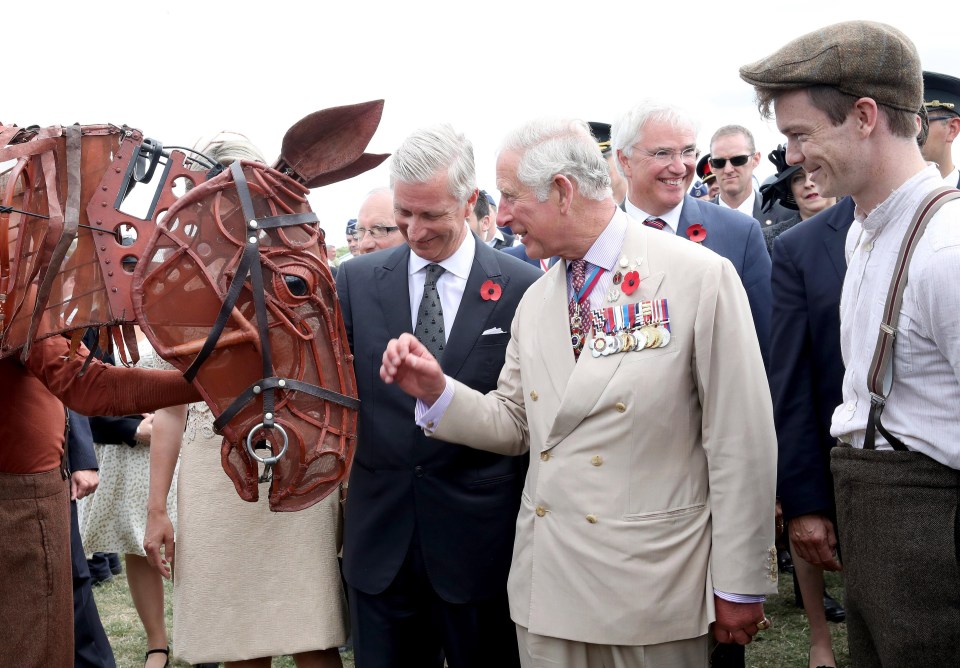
[[657, 153], [429, 526], [91, 647], [941, 97], [806, 380]]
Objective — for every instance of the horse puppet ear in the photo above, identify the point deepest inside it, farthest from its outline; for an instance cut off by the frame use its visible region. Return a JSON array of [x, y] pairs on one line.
[[327, 146]]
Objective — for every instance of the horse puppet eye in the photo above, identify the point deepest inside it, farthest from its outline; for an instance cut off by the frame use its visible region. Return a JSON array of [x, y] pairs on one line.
[[296, 285]]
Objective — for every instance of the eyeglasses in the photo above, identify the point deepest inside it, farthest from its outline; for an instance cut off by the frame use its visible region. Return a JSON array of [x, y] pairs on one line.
[[736, 161], [377, 232], [664, 157]]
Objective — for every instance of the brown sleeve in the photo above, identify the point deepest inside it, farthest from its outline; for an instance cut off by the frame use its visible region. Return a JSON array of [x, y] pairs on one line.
[[104, 389]]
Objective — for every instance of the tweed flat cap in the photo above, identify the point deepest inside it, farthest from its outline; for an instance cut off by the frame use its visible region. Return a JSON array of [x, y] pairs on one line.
[[860, 58]]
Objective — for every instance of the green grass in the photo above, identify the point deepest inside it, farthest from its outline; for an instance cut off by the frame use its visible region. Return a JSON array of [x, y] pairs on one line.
[[782, 646]]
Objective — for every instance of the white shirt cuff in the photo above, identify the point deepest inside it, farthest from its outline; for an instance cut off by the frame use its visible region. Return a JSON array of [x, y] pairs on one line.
[[740, 598], [428, 417]]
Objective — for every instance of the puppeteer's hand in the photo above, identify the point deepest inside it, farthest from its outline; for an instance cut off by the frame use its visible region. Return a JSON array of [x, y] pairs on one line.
[[158, 542], [812, 537], [83, 483], [410, 365], [738, 622]]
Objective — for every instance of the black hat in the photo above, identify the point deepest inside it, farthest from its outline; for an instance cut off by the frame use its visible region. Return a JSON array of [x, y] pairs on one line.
[[779, 190], [941, 92], [704, 171], [601, 132]]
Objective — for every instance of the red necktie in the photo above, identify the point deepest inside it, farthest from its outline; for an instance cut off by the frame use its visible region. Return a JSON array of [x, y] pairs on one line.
[[655, 223], [578, 274]]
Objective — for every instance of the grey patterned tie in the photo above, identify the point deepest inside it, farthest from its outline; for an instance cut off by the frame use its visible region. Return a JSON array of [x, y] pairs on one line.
[[429, 330]]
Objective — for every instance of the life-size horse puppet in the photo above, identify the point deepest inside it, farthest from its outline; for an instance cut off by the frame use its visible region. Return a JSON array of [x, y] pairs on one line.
[[229, 280]]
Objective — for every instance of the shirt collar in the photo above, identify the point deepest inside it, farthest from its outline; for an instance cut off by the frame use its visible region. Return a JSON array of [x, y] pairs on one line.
[[746, 206], [902, 198], [606, 249], [458, 264], [671, 217]]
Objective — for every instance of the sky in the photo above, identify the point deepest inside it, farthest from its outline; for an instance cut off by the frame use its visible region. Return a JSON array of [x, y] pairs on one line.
[[180, 71]]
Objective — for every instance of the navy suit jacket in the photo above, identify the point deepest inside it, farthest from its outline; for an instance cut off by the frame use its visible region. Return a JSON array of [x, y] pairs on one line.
[[807, 371], [736, 237], [462, 503], [519, 251]]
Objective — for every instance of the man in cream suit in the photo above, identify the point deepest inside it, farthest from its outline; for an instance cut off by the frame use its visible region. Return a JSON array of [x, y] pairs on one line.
[[647, 510]]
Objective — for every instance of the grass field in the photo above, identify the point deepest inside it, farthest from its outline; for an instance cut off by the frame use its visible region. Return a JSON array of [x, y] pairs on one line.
[[782, 646]]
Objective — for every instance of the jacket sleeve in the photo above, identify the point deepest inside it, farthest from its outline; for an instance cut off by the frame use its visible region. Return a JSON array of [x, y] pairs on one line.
[[756, 281], [802, 484], [80, 444]]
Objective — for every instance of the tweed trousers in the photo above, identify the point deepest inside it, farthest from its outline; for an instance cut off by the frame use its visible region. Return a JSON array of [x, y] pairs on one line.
[[36, 587], [898, 525]]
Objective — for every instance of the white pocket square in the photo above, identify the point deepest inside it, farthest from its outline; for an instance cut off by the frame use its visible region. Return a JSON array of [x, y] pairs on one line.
[[493, 330]]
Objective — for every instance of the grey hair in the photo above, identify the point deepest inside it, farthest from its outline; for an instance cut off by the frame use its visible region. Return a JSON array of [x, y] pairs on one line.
[[729, 130], [227, 147], [626, 131], [549, 147], [430, 150]]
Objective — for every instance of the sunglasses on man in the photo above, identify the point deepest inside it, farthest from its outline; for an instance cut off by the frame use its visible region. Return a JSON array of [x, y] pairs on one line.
[[736, 161]]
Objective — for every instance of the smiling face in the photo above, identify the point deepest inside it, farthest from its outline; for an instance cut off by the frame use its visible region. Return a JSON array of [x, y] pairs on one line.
[[827, 152], [652, 186], [430, 218], [735, 183], [807, 197], [536, 222]]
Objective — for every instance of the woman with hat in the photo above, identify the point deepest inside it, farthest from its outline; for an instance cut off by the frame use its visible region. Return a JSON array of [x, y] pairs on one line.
[[792, 189]]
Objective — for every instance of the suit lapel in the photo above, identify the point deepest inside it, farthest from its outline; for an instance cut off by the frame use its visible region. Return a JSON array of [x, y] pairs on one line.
[[474, 312], [393, 291], [553, 339], [591, 375], [839, 222]]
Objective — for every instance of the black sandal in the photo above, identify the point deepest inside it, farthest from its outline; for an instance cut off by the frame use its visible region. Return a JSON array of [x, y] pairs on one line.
[[158, 651]]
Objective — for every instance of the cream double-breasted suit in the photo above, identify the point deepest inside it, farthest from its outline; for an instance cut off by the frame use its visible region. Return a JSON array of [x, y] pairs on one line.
[[652, 473]]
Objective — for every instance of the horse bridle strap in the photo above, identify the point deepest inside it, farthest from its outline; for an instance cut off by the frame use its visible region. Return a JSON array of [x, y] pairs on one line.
[[249, 264], [288, 384]]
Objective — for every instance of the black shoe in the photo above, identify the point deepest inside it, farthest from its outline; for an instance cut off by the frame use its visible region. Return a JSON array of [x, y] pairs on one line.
[[206, 665], [97, 581], [115, 566], [833, 609], [165, 650]]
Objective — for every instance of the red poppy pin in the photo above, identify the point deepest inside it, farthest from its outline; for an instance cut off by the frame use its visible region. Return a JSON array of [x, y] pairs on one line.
[[696, 233], [490, 291], [631, 281]]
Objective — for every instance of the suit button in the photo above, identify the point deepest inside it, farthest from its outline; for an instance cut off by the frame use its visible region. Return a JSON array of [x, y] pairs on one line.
[[541, 511], [534, 395], [544, 456], [418, 471], [621, 407], [596, 460], [592, 519]]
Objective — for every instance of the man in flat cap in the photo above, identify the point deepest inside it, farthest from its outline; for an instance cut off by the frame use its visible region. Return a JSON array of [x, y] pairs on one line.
[[941, 98], [846, 97]]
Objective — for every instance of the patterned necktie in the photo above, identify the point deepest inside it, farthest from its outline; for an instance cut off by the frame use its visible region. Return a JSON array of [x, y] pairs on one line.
[[429, 330], [578, 274], [654, 222]]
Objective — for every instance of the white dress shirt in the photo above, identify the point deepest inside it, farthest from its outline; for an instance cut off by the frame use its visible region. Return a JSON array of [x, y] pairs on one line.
[[671, 217], [746, 206], [922, 405], [450, 285]]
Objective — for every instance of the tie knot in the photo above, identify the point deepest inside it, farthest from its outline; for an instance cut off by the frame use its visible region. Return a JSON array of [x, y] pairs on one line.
[[655, 222], [433, 273]]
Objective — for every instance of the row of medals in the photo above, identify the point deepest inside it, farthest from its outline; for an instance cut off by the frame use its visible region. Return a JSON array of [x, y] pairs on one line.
[[645, 333]]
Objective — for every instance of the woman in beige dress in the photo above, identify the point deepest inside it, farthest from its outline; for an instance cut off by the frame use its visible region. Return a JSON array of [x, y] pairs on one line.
[[248, 584]]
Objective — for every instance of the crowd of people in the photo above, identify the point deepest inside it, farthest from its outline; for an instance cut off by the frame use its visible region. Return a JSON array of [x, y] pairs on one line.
[[597, 417]]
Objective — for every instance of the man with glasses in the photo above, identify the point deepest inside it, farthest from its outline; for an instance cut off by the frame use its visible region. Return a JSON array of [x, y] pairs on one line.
[[941, 98], [733, 158], [376, 228], [657, 153]]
